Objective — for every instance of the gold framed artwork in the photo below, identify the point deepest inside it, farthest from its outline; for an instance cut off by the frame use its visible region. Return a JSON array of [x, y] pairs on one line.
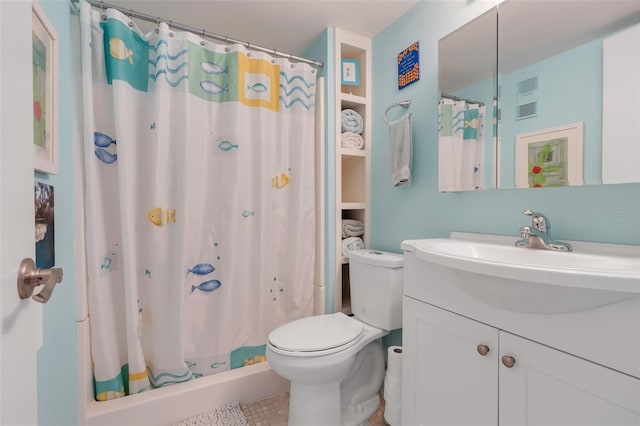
[[45, 91], [550, 157]]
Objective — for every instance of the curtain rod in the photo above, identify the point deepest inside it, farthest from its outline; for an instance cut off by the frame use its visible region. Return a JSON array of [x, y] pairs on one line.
[[457, 98], [139, 15]]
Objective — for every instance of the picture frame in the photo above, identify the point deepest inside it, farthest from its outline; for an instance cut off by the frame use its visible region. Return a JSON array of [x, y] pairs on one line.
[[350, 72], [45, 91], [409, 65], [550, 157]]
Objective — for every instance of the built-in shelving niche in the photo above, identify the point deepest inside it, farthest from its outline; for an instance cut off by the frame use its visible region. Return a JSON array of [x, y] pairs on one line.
[[348, 51], [352, 165]]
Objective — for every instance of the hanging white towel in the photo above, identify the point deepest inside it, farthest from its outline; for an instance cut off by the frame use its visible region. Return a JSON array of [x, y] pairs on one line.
[[400, 150]]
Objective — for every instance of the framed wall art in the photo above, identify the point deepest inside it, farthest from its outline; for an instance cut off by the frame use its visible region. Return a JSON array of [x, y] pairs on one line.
[[409, 65], [550, 157], [350, 72], [45, 91]]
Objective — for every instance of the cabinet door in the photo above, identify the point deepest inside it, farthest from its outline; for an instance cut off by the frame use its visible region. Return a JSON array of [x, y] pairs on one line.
[[445, 380], [549, 387]]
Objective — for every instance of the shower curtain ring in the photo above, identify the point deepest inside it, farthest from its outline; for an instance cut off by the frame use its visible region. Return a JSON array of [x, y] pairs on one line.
[[170, 29], [104, 14], [131, 18], [157, 30], [202, 42], [275, 54]]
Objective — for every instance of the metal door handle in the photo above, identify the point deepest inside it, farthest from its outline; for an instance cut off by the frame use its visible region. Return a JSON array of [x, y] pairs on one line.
[[482, 349], [508, 361], [30, 277]]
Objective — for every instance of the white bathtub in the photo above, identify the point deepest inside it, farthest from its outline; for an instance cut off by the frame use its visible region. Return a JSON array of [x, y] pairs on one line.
[[172, 404]]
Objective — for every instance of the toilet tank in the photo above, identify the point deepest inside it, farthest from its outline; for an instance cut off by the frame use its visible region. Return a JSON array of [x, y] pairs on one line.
[[376, 287]]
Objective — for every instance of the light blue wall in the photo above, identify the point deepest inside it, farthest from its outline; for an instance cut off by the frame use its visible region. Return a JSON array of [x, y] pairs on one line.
[[57, 360], [602, 213]]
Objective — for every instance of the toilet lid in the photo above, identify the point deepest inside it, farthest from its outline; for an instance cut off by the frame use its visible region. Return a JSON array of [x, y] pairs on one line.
[[316, 333]]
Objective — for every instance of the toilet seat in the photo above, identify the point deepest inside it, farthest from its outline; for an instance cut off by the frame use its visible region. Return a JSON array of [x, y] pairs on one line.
[[317, 335]]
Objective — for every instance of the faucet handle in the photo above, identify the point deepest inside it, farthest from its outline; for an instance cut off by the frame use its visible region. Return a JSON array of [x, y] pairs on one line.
[[539, 221]]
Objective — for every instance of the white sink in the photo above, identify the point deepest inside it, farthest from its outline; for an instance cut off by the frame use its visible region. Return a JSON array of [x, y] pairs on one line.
[[532, 280]]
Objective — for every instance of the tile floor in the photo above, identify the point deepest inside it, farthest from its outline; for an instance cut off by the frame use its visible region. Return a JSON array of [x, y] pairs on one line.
[[275, 412]]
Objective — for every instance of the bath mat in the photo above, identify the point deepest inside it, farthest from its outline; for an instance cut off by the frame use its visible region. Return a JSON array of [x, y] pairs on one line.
[[230, 415]]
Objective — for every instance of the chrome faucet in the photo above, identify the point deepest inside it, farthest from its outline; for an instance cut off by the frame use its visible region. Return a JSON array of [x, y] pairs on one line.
[[538, 235]]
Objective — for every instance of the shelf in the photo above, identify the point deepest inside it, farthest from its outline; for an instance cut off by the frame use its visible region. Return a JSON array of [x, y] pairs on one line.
[[352, 101], [353, 179], [352, 165], [353, 206], [353, 152]]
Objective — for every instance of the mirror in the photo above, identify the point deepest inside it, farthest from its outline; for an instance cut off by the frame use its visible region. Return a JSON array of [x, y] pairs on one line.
[[553, 67], [467, 74]]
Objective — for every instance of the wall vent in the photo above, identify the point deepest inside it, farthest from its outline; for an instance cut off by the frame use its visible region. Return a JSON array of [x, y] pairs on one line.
[[527, 86], [527, 110], [527, 98]]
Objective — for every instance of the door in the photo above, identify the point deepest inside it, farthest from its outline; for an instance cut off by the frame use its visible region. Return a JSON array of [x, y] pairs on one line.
[[19, 329], [449, 368], [546, 386]]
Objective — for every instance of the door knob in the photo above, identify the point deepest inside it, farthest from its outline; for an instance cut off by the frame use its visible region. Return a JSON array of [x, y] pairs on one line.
[[482, 349], [508, 361], [30, 277]]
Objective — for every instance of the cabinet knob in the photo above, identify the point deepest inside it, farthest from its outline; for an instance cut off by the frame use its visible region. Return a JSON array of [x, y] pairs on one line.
[[482, 349], [508, 361]]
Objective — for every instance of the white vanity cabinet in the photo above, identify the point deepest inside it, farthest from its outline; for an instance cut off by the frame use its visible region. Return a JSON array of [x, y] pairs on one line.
[[447, 380], [469, 361], [463, 372], [549, 387]]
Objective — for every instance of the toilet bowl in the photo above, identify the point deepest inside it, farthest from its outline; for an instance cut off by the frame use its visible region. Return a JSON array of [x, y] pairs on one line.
[[335, 362]]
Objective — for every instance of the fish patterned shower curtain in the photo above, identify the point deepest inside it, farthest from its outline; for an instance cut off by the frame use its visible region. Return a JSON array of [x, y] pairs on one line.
[[199, 201], [460, 145]]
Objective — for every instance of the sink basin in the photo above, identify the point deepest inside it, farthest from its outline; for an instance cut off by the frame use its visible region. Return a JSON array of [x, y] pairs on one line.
[[537, 281]]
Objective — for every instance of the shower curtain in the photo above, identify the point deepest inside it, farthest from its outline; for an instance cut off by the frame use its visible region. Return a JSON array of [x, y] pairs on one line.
[[460, 145], [199, 201]]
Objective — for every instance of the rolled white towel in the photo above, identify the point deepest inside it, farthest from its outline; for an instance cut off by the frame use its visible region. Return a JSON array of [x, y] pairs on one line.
[[351, 121], [352, 140], [352, 228], [351, 243]]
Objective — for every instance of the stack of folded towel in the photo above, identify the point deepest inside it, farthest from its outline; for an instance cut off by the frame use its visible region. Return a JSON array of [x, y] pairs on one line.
[[351, 232], [350, 244], [352, 228], [352, 126]]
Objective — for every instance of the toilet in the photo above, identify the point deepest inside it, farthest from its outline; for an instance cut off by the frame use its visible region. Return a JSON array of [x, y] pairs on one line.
[[335, 362]]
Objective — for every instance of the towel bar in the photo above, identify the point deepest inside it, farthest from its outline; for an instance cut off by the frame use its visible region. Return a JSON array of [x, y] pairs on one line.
[[403, 104]]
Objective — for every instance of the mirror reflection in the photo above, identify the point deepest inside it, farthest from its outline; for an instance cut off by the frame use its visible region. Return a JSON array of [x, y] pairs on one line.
[[467, 60], [558, 62]]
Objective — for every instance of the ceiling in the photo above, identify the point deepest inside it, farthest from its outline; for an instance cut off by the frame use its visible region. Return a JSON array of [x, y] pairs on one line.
[[288, 26]]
